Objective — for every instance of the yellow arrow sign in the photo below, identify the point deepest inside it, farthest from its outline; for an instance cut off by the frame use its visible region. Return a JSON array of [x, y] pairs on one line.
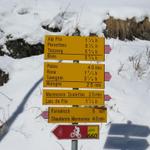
[[73, 75], [74, 115], [74, 48], [73, 97]]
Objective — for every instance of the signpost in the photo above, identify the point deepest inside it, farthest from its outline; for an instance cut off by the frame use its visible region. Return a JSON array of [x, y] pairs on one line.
[[67, 75], [75, 76], [76, 132], [74, 48], [76, 115], [73, 97]]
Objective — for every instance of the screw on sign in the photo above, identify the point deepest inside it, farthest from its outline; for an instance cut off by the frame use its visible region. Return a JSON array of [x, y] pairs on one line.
[[76, 132]]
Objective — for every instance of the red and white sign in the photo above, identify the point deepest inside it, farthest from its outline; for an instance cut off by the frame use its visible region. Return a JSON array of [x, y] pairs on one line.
[[76, 132]]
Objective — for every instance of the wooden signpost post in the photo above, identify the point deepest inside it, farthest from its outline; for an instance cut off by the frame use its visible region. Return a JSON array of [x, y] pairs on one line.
[[75, 76]]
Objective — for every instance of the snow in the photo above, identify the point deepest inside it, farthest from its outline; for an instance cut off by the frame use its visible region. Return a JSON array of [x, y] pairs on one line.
[[129, 87], [24, 19]]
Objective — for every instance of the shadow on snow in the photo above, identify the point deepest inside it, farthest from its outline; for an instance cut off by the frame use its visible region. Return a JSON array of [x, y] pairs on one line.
[[6, 126], [127, 137]]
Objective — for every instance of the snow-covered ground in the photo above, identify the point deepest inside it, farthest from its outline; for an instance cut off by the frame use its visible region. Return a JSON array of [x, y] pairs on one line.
[[25, 18], [129, 64]]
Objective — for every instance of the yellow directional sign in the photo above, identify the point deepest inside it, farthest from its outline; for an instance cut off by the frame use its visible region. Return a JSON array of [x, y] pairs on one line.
[[73, 75], [74, 48], [73, 97], [76, 114]]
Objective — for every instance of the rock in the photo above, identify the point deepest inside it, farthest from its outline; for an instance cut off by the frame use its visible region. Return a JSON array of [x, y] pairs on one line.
[[19, 48], [3, 129], [77, 32], [1, 52], [92, 34], [127, 29], [4, 77], [51, 29]]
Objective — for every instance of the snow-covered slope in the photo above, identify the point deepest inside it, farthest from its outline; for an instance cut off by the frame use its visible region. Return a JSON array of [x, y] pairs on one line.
[[25, 18], [129, 64]]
